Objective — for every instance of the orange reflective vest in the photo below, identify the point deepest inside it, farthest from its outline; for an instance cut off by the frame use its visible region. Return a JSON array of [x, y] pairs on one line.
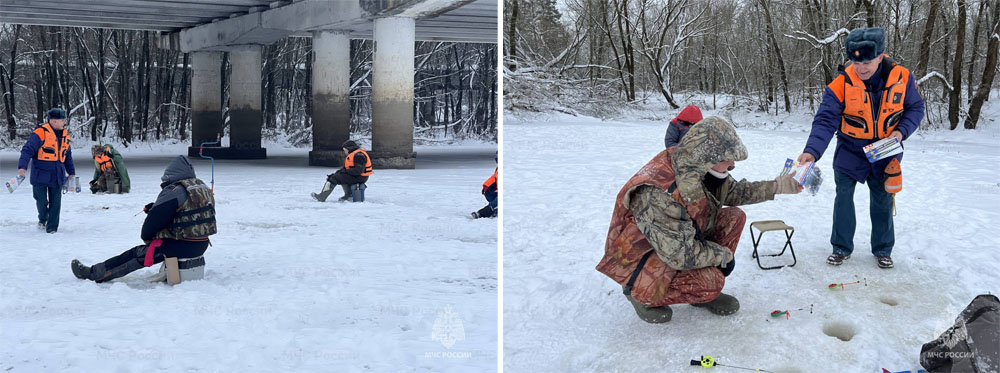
[[349, 162], [857, 120], [103, 162], [492, 180], [51, 150]]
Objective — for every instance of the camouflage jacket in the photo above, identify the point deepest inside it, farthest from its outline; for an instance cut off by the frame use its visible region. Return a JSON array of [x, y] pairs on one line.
[[668, 226], [195, 218], [666, 208]]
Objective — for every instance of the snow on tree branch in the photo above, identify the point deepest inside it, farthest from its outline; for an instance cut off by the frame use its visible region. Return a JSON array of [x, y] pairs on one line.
[[935, 74], [817, 43]]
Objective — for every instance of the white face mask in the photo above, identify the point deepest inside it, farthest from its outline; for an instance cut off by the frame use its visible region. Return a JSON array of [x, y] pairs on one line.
[[720, 175]]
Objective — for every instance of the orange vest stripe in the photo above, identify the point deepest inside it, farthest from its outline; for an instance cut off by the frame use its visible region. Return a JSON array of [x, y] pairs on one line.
[[349, 162], [51, 150]]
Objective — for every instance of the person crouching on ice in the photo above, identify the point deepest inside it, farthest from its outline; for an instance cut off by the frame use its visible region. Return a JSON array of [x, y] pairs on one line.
[[177, 225], [490, 191], [357, 168], [673, 208], [110, 175]]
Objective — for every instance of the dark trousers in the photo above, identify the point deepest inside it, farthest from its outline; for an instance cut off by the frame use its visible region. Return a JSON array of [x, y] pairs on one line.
[[48, 200], [133, 259], [844, 222]]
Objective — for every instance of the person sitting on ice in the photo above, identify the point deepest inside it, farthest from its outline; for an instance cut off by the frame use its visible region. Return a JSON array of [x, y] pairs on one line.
[[490, 191], [177, 225], [673, 208], [110, 174], [357, 168], [680, 125]]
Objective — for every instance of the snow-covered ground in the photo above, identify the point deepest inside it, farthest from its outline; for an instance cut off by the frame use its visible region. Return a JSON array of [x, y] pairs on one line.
[[562, 174], [403, 282]]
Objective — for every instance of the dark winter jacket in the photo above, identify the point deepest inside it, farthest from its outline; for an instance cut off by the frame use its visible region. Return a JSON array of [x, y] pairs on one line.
[[161, 213], [46, 173], [679, 126], [849, 157]]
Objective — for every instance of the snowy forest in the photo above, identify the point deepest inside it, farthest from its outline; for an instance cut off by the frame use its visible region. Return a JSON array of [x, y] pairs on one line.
[[119, 86], [764, 55]]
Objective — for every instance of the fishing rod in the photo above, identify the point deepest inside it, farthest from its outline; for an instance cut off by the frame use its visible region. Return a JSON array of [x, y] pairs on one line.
[[709, 362]]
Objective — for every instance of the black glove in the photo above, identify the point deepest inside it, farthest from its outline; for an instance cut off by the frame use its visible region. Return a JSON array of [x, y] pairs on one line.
[[148, 206], [728, 268]]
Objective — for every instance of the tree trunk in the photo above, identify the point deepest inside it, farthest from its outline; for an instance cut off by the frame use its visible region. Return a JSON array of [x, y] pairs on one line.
[[182, 114], [989, 71], [512, 36], [925, 42], [777, 51], [975, 47], [954, 97], [10, 103], [102, 88]]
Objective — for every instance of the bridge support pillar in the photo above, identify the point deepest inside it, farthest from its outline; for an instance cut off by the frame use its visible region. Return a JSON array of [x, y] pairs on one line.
[[331, 99], [392, 93], [206, 98], [245, 118]]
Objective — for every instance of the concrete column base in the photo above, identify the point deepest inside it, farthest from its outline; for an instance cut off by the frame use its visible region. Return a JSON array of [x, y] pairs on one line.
[[228, 153], [327, 158], [407, 162]]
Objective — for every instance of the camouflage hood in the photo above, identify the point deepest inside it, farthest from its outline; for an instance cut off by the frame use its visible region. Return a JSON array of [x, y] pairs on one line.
[[712, 141]]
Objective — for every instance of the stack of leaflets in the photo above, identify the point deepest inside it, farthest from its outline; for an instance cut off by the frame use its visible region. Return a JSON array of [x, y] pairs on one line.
[[807, 174], [883, 149]]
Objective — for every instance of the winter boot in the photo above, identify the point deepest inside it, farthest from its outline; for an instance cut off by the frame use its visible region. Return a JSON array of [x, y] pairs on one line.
[[884, 262], [327, 189], [652, 315], [347, 193], [836, 259], [723, 305], [79, 270], [485, 212]]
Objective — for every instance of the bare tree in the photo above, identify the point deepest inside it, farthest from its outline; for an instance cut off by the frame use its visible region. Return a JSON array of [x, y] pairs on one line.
[[954, 96], [989, 72]]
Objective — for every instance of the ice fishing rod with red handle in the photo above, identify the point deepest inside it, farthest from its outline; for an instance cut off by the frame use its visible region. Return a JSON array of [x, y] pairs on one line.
[[709, 362]]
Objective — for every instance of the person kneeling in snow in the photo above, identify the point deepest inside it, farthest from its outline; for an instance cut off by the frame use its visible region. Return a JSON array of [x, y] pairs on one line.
[[110, 175], [673, 208], [490, 191], [177, 225], [357, 168]]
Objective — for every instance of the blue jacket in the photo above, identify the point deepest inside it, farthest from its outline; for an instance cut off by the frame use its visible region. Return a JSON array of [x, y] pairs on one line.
[[45, 173], [674, 134], [849, 157]]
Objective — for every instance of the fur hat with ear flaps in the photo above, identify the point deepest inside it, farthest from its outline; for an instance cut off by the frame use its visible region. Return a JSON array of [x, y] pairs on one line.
[[712, 141], [864, 44]]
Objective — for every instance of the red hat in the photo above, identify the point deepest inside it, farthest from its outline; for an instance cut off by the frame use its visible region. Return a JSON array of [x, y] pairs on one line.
[[690, 114]]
